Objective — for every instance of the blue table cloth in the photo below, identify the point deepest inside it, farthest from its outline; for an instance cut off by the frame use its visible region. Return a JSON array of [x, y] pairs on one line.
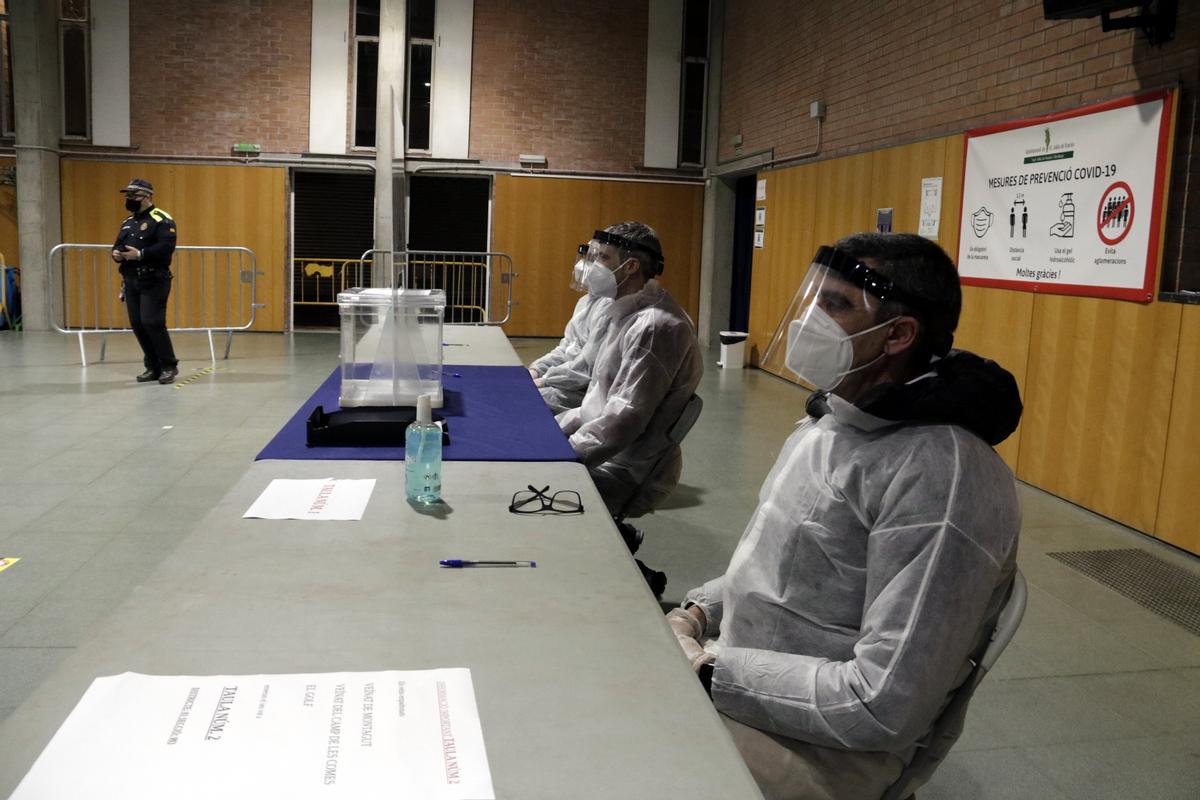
[[492, 414]]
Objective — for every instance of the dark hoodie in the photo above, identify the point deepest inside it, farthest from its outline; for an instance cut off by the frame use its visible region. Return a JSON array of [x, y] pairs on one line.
[[961, 389]]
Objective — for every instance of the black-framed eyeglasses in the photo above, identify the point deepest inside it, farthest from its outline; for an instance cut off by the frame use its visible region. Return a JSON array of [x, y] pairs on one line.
[[537, 501]]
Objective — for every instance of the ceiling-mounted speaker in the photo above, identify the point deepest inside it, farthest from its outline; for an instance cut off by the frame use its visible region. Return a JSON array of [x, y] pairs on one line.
[[1156, 18]]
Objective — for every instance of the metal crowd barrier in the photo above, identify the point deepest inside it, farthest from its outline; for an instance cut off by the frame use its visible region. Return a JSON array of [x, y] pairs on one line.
[[478, 286], [213, 290], [317, 281]]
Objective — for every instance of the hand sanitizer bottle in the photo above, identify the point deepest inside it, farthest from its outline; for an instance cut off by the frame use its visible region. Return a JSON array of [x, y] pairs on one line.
[[423, 456]]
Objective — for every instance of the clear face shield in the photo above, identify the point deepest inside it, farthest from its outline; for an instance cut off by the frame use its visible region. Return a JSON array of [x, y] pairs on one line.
[[577, 271], [838, 302], [609, 262]]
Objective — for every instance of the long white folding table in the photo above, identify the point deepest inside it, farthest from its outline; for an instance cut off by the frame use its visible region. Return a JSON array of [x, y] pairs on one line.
[[477, 344], [581, 688]]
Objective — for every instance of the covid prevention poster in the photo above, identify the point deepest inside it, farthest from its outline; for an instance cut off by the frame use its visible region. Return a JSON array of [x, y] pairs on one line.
[[1068, 203]]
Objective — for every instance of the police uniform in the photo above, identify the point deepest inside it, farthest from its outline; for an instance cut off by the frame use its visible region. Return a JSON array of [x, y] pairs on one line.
[[147, 283]]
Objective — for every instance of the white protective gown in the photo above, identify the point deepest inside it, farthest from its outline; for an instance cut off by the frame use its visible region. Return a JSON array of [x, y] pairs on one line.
[[566, 370], [863, 581], [645, 372]]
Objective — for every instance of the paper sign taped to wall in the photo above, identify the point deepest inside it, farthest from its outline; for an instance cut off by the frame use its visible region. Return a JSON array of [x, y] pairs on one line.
[[931, 207]]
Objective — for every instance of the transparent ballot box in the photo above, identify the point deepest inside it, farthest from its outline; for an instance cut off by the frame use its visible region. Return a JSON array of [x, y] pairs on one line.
[[391, 346]]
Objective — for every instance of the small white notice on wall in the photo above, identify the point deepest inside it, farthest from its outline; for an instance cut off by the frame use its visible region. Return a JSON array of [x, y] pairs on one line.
[[931, 207], [760, 191], [759, 239], [760, 215]]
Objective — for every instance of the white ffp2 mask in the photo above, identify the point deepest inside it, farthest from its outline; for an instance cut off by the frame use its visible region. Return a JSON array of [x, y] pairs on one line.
[[602, 281], [820, 352]]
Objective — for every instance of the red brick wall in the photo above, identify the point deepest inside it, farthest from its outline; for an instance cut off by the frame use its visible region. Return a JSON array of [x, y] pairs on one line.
[[897, 71], [563, 79], [909, 69], [209, 73]]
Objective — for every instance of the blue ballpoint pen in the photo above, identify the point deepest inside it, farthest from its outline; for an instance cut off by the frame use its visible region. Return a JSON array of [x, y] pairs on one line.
[[459, 563]]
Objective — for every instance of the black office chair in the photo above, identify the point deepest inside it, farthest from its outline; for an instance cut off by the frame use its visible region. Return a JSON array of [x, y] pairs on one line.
[[640, 502], [935, 745]]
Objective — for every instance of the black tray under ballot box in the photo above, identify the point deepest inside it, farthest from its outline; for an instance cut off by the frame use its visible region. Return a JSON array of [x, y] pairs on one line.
[[366, 426]]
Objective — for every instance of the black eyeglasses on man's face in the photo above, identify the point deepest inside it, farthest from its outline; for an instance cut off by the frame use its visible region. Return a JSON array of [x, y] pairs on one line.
[[537, 501]]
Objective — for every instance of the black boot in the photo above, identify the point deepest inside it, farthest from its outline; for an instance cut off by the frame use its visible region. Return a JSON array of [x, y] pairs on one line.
[[632, 535], [147, 376], [657, 581]]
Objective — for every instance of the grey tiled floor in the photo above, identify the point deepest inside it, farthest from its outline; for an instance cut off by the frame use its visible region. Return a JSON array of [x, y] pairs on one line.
[[100, 478]]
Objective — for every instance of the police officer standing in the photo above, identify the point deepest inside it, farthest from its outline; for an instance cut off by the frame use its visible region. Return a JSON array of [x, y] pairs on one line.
[[143, 248]]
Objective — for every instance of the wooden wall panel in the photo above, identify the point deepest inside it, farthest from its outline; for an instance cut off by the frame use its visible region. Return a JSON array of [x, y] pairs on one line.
[[9, 239], [996, 324], [846, 198], [541, 221], [1099, 401], [952, 178], [1178, 521], [676, 212], [779, 267], [214, 206], [896, 179]]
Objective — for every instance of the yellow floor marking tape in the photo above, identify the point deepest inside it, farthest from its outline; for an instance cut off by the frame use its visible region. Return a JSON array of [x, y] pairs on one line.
[[197, 375]]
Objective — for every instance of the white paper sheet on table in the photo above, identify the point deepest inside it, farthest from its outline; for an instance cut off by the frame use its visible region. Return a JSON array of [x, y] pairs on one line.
[[362, 735], [320, 498]]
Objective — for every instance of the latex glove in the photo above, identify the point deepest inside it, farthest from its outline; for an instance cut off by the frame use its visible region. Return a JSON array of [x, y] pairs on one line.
[[687, 631], [533, 373], [684, 624], [693, 651]]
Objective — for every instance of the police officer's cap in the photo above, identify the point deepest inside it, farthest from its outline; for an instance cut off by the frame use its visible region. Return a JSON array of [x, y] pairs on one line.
[[139, 185]]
